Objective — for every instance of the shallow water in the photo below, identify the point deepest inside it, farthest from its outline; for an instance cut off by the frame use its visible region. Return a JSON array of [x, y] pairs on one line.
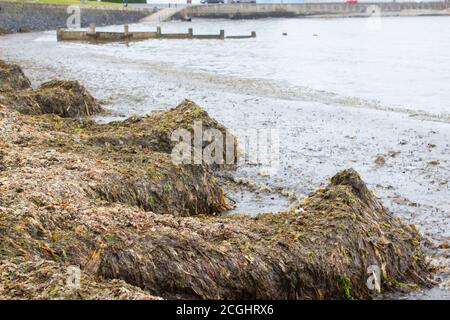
[[400, 62], [337, 100]]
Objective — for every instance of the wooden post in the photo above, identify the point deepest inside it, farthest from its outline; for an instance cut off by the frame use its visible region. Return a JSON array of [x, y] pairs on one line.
[[59, 33], [253, 34], [191, 32], [91, 28], [126, 30], [158, 32], [222, 34]]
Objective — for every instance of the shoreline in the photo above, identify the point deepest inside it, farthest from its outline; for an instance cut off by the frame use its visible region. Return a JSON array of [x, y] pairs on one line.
[[170, 102], [90, 191]]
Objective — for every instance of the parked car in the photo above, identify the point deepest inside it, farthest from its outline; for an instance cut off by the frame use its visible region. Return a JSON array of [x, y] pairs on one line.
[[351, 1]]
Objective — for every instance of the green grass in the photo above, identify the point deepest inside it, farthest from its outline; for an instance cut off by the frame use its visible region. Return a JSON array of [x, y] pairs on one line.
[[76, 2]]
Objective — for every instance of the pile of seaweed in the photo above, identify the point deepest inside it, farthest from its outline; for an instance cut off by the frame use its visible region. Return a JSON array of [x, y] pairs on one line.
[[12, 77], [61, 97], [139, 153], [108, 199], [46, 279], [153, 131]]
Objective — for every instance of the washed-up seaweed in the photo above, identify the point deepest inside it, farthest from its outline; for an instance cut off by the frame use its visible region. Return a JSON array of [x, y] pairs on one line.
[[12, 77], [322, 253], [46, 279], [156, 132], [108, 199], [61, 97]]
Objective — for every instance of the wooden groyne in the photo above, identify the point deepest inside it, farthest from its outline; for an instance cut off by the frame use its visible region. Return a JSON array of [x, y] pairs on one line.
[[91, 35]]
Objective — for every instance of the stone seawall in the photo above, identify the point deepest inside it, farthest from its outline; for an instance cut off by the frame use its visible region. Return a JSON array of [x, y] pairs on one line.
[[20, 17], [253, 11]]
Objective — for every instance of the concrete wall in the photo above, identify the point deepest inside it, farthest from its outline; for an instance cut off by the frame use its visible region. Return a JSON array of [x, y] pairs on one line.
[[251, 11], [38, 17]]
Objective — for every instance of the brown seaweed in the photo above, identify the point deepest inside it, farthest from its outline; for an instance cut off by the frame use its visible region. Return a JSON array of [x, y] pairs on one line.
[[107, 198]]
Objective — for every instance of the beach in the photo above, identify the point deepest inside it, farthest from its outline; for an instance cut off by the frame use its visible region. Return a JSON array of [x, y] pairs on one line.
[[358, 97]]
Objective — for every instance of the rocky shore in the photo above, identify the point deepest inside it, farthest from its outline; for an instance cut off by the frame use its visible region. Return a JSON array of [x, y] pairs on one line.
[[108, 199]]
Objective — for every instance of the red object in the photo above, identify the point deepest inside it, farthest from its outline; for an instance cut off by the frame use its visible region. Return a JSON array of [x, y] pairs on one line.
[[351, 1]]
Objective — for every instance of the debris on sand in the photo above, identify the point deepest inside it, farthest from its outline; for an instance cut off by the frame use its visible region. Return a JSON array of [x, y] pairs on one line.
[[322, 253], [12, 77], [108, 199], [50, 212], [155, 130], [434, 162], [61, 97], [46, 279], [140, 168], [379, 160]]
